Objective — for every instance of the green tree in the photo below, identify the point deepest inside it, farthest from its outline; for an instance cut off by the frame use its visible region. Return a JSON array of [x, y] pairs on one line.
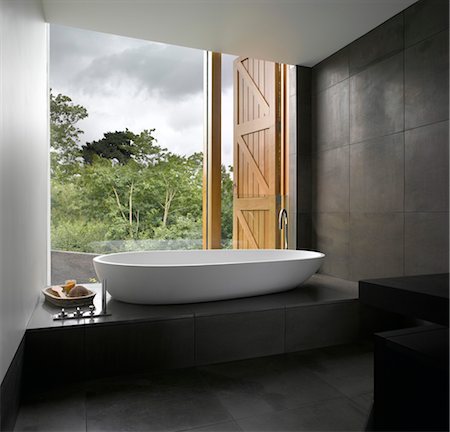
[[124, 186], [227, 206], [123, 146], [65, 133], [179, 184]]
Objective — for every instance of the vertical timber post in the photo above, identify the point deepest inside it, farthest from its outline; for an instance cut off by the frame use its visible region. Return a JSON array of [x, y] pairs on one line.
[[212, 174]]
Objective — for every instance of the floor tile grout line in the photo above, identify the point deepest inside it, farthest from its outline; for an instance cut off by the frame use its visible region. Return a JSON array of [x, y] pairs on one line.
[[296, 407], [349, 399], [318, 401], [358, 406], [204, 425], [334, 386], [324, 381]]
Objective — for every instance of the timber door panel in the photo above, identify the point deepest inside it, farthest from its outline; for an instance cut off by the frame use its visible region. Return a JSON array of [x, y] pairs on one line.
[[256, 153]]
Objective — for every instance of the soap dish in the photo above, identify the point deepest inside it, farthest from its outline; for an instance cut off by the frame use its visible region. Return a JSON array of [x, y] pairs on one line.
[[68, 302]]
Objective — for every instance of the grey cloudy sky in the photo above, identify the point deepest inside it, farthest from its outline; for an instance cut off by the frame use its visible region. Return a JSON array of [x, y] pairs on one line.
[[135, 84]]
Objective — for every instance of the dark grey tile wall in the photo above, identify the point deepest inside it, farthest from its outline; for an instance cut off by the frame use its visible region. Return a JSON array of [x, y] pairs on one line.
[[424, 19], [376, 244], [426, 81], [331, 234], [376, 100], [380, 149], [426, 242], [330, 129], [377, 175], [380, 43], [331, 173], [302, 155], [426, 168]]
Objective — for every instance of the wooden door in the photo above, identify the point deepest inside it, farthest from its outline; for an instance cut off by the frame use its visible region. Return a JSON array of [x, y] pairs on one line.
[[257, 154]]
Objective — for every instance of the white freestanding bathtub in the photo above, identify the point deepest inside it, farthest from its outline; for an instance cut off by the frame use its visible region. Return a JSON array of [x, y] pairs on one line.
[[169, 277]]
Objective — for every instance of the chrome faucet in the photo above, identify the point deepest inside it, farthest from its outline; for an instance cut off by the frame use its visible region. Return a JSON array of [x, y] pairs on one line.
[[283, 217]]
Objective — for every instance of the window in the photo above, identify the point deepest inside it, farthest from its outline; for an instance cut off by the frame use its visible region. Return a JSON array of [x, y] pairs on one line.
[[130, 166], [126, 148]]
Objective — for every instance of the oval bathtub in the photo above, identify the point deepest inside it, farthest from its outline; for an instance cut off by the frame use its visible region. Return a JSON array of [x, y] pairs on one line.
[[169, 277]]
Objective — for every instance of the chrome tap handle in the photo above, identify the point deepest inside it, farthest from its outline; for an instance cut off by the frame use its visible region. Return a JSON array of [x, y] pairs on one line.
[[283, 217]]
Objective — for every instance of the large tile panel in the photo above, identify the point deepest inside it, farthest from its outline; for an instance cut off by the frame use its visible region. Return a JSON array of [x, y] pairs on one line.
[[114, 349], [170, 401], [256, 386], [330, 177], [349, 368], [377, 175], [303, 179], [304, 226], [331, 71], [332, 324], [303, 111], [381, 42], [60, 349], [426, 168], [331, 117], [426, 243], [336, 414], [59, 411], [426, 81], [376, 100], [237, 336], [331, 236], [376, 245], [425, 18]]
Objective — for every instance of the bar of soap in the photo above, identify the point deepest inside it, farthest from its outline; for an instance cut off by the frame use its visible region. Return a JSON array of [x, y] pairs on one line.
[[53, 292], [78, 291]]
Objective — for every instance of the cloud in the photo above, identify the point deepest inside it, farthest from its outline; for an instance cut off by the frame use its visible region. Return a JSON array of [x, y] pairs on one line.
[[136, 84], [159, 70], [73, 49]]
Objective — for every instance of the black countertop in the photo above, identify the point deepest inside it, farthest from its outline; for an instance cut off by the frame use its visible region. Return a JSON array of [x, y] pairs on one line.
[[425, 296]]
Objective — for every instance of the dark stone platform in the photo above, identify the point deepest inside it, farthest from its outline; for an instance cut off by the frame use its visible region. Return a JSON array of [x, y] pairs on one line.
[[140, 338], [425, 296]]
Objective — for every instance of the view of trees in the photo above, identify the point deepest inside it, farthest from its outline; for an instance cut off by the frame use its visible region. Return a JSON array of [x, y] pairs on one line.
[[124, 191]]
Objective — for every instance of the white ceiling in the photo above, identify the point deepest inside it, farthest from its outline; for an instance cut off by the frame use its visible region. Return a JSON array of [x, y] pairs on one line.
[[289, 31]]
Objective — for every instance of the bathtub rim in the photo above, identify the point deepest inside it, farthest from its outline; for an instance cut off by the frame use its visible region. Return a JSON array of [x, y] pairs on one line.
[[99, 259]]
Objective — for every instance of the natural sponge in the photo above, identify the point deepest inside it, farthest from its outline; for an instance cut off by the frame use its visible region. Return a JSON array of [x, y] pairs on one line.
[[70, 284], [78, 291]]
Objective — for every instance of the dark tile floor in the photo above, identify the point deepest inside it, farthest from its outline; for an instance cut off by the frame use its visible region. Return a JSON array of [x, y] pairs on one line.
[[324, 389]]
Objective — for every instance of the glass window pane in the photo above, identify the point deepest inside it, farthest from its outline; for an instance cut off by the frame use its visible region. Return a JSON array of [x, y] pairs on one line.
[[126, 148]]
